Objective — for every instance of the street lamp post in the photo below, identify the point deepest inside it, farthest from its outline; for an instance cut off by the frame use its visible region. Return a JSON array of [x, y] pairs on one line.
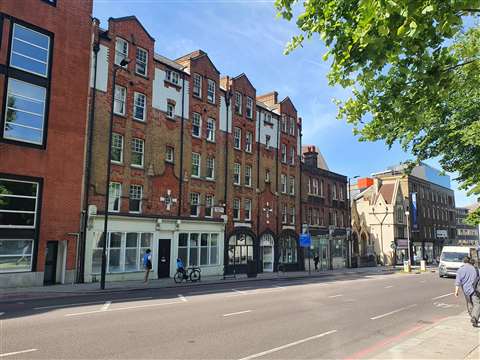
[[123, 63], [407, 213]]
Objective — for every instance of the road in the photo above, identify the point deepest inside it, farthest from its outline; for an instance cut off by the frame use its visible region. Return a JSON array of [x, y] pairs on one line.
[[353, 316]]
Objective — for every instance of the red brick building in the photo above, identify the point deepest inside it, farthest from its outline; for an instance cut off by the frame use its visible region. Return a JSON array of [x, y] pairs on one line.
[[44, 70]]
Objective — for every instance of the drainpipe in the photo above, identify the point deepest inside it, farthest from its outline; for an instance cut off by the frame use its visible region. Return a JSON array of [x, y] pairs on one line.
[[299, 159], [276, 182], [88, 173], [225, 190], [182, 130], [258, 194]]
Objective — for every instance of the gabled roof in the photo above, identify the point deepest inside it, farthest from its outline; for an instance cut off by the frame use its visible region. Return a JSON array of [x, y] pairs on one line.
[[386, 190], [287, 99], [246, 77], [195, 55], [132, 17]]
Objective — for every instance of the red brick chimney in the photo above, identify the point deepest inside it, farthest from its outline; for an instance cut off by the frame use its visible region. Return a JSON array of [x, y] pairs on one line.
[[310, 156]]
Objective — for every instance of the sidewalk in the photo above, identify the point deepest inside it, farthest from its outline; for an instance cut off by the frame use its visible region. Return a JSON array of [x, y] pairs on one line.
[[450, 338], [11, 294]]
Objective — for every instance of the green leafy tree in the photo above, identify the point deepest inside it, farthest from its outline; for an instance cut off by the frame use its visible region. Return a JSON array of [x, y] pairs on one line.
[[414, 70]]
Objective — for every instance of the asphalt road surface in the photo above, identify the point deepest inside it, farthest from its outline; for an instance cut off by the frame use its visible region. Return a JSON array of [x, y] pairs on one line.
[[348, 317]]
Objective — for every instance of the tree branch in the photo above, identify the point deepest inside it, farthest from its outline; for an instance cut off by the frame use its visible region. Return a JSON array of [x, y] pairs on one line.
[[460, 65], [471, 10]]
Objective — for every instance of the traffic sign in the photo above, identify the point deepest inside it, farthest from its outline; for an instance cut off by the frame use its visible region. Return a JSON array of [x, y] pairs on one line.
[[305, 240]]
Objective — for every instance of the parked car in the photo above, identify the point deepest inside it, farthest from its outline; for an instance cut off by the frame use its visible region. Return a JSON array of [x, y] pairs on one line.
[[452, 258]]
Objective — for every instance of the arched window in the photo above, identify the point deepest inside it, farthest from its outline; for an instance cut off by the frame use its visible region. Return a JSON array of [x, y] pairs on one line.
[[288, 249], [240, 248]]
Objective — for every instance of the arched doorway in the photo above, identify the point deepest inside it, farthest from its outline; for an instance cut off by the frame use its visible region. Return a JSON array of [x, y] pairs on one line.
[[364, 245], [267, 243], [240, 250], [288, 251]]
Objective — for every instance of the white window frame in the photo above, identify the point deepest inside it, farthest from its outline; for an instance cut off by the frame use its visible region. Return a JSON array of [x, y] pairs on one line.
[[172, 77], [117, 145], [34, 212], [284, 123], [249, 108], [284, 153], [122, 100], [170, 110], [267, 142], [135, 188], [237, 172], [209, 202], [315, 186], [211, 87], [238, 103], [196, 164], [293, 215], [197, 124], [292, 126], [236, 207], [123, 53], [267, 175], [195, 201], [292, 185], [237, 138], [197, 85], [212, 251], [248, 176], [210, 161], [284, 214], [138, 147], [334, 191], [248, 141], [137, 103], [211, 127], [247, 209], [292, 155], [283, 183], [137, 61], [170, 154], [115, 190]]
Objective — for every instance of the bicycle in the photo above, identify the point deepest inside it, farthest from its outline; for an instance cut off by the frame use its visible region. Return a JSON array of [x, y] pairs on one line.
[[192, 274]]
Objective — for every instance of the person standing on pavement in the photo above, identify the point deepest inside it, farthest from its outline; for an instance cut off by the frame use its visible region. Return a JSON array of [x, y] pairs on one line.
[[316, 260], [466, 278], [147, 264]]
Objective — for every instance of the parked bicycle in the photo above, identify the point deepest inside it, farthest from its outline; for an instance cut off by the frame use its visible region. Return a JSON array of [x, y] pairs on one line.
[[192, 274]]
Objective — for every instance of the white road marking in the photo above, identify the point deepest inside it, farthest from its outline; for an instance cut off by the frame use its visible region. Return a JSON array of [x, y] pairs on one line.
[[181, 297], [238, 291], [123, 308], [237, 313], [388, 287], [335, 296], [206, 292], [255, 292], [89, 303], [393, 312], [106, 306], [253, 356], [442, 296], [18, 352], [279, 287], [423, 281]]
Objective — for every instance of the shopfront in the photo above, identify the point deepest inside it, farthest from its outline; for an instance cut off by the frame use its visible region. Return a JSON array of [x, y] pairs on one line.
[[241, 249], [288, 251]]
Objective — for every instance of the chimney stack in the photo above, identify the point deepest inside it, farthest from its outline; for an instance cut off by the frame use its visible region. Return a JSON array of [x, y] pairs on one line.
[[310, 156]]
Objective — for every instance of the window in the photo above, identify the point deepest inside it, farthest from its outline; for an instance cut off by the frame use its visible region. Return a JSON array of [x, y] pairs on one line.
[[292, 126], [288, 249], [172, 76], [18, 204], [284, 123], [115, 197], [211, 91], [248, 175], [30, 50], [315, 186], [284, 213], [249, 108], [292, 185], [309, 219], [25, 112], [137, 152], [194, 204], [237, 138], [197, 85], [283, 183], [334, 191], [284, 153], [248, 210], [124, 251], [209, 205], [139, 106], [117, 148], [236, 174], [292, 215], [309, 185], [196, 125], [321, 187], [211, 129], [238, 103], [169, 154], [170, 110], [340, 220], [210, 168], [141, 64], [240, 249], [198, 248], [236, 209], [341, 193], [136, 194], [121, 50], [267, 141], [248, 141], [267, 175], [292, 156], [120, 98], [15, 255], [196, 165]]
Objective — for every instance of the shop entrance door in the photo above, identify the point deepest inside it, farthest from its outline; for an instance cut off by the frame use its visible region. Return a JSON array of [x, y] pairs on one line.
[[266, 245], [50, 273], [163, 258]]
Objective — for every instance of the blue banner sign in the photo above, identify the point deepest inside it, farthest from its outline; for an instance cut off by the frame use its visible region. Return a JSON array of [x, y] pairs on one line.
[[414, 211], [305, 240]]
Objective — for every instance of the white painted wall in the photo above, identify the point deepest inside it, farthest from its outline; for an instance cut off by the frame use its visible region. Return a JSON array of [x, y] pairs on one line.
[[162, 93], [102, 69], [265, 130]]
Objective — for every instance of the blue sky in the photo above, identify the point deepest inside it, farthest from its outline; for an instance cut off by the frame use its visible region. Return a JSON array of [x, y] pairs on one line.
[[246, 36]]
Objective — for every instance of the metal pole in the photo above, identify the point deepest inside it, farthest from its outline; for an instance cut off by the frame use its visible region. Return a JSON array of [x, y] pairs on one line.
[[107, 186], [408, 238]]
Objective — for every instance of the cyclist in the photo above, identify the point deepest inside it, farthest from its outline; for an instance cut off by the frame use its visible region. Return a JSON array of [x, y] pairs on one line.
[[181, 268]]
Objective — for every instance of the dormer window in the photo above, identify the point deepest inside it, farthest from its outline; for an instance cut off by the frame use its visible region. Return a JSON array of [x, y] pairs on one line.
[[172, 76]]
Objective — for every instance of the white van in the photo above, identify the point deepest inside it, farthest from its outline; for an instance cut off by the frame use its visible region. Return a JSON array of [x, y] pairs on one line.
[[452, 258]]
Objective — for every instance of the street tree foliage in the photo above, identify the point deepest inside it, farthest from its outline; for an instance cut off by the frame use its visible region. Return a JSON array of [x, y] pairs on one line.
[[414, 70]]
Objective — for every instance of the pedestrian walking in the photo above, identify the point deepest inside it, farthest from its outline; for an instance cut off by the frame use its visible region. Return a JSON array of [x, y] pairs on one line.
[[147, 264], [466, 278], [316, 260]]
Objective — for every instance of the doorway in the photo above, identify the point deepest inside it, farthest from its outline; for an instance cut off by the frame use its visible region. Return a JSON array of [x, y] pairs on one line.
[[266, 245], [163, 258], [50, 274]]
